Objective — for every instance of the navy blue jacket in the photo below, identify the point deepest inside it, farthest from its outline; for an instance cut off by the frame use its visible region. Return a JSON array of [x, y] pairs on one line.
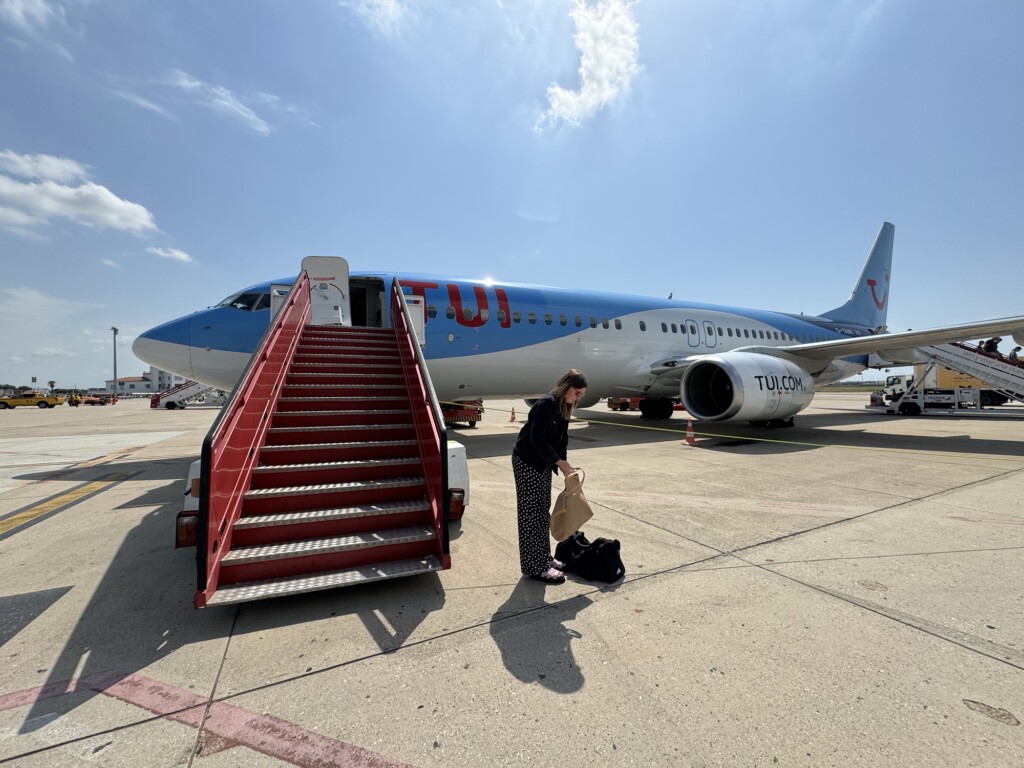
[[544, 438]]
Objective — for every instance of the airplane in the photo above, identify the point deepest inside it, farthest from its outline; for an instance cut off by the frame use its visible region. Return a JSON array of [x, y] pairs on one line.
[[485, 339]]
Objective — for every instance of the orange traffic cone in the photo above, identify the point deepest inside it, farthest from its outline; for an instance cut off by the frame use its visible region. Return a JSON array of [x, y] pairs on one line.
[[689, 432], [512, 417]]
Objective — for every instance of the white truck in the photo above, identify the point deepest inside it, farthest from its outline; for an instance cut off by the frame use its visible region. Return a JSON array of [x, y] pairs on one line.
[[941, 387]]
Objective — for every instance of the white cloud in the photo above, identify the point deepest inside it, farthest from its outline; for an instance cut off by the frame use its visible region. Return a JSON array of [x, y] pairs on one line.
[[110, 263], [29, 15], [25, 207], [16, 359], [171, 253], [21, 306], [138, 101], [219, 99], [43, 167], [606, 37], [33, 205], [53, 352], [381, 16]]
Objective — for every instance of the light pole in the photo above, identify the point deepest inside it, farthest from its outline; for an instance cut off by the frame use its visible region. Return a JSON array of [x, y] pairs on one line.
[[115, 358]]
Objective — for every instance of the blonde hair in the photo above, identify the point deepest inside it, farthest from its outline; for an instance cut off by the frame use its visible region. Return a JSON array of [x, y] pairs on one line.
[[571, 379]]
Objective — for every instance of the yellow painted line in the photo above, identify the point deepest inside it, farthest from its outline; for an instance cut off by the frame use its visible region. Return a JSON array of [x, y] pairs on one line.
[[870, 448], [57, 502], [681, 431]]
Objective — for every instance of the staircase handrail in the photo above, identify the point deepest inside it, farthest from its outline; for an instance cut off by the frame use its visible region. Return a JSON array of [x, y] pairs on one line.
[[431, 435], [178, 387], [231, 447], [999, 373]]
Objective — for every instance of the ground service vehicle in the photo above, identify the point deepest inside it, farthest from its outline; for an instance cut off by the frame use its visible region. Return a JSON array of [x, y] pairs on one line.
[[94, 399], [940, 385], [624, 403], [456, 412], [30, 398]]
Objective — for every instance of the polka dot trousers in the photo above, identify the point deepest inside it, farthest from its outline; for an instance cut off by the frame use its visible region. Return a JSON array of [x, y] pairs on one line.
[[533, 502]]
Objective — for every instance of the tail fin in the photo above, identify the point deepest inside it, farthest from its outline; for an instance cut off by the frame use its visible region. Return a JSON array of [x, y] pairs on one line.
[[869, 301]]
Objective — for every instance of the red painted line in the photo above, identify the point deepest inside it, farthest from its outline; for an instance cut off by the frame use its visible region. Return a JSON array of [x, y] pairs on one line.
[[268, 735]]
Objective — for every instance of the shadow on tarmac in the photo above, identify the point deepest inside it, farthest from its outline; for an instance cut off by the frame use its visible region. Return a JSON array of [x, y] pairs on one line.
[[390, 615], [165, 469], [141, 610], [535, 645]]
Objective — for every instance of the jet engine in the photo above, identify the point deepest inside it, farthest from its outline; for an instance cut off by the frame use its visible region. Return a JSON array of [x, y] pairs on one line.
[[745, 386]]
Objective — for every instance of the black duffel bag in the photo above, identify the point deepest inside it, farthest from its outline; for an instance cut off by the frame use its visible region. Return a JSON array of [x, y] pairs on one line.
[[596, 560]]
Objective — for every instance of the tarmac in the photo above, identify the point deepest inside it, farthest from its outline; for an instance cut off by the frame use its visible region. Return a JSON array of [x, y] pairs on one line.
[[847, 592]]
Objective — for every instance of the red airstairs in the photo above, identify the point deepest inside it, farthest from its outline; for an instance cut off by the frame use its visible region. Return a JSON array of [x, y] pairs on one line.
[[328, 467]]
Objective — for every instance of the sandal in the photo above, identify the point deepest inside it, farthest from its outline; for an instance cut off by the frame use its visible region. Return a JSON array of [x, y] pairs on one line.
[[550, 576], [558, 565]]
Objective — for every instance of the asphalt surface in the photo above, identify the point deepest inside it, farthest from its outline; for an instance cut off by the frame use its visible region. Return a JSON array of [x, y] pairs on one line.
[[847, 592]]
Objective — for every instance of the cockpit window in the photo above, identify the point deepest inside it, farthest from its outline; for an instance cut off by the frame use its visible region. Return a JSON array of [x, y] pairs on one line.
[[248, 301]]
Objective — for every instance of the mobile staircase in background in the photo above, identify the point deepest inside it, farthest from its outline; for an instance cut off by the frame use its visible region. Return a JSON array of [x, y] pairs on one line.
[[178, 396], [998, 372], [328, 466]]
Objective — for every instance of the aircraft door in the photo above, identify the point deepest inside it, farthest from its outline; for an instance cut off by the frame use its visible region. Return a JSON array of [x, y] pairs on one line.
[[329, 291], [710, 337], [692, 333], [417, 310], [278, 297]]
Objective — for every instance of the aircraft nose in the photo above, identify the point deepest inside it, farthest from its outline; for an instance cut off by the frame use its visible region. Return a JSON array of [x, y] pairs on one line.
[[167, 347]]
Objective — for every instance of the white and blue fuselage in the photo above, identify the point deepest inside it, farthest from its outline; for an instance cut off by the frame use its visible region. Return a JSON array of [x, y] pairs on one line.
[[485, 339]]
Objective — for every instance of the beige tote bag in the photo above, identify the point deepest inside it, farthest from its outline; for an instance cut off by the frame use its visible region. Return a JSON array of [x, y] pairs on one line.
[[571, 509]]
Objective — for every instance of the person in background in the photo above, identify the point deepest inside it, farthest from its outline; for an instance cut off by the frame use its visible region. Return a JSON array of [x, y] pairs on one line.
[[1013, 355], [539, 451], [992, 345]]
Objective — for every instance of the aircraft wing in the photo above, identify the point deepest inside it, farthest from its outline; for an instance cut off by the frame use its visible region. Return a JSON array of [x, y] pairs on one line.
[[892, 348], [899, 348]]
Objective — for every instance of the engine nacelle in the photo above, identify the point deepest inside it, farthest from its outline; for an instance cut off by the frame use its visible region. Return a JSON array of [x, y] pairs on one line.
[[745, 386]]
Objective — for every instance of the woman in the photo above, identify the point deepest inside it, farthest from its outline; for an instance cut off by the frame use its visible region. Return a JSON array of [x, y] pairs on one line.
[[540, 450]]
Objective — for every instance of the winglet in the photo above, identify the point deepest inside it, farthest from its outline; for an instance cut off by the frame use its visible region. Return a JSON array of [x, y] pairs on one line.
[[869, 301]]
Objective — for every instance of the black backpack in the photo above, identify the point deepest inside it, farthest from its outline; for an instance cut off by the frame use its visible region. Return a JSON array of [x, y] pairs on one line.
[[596, 560]]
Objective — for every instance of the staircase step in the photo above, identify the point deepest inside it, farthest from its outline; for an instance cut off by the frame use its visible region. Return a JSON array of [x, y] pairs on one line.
[[382, 334], [339, 423], [292, 558], [322, 391], [337, 521], [344, 364], [263, 501], [274, 475], [333, 408], [342, 378], [337, 433], [296, 453], [326, 346], [259, 590], [290, 549]]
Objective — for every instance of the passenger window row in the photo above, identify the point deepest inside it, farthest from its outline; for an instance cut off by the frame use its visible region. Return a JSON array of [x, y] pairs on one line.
[[578, 321]]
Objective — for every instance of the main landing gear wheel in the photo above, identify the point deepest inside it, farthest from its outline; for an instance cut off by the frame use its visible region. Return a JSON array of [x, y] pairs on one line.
[[656, 408]]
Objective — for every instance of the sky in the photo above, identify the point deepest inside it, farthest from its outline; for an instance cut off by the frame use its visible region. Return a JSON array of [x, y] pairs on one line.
[[157, 156]]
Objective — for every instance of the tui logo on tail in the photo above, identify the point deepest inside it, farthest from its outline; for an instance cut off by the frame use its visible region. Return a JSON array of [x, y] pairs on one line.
[[880, 303]]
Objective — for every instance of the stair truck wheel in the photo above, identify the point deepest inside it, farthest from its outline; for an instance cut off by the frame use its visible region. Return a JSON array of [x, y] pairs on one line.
[[910, 409]]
